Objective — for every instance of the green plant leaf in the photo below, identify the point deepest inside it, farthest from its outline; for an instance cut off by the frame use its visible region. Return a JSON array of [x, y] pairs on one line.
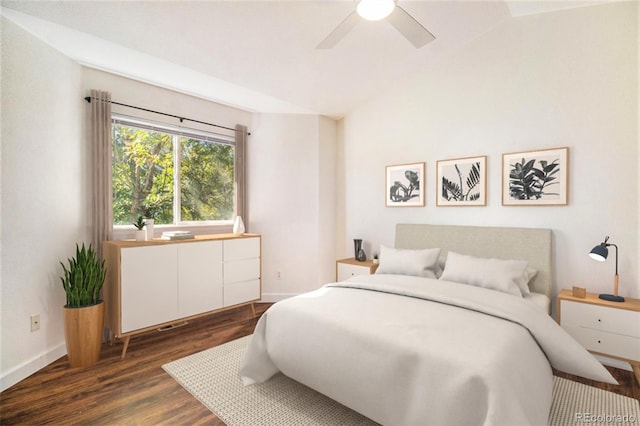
[[84, 277]]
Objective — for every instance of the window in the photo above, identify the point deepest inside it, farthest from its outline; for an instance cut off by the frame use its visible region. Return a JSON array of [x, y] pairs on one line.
[[180, 176]]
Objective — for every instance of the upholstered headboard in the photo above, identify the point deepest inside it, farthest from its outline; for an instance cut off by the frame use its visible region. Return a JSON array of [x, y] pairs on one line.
[[530, 244]]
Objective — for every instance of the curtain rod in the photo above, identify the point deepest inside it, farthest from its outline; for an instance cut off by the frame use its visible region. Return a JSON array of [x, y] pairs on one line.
[[88, 99]]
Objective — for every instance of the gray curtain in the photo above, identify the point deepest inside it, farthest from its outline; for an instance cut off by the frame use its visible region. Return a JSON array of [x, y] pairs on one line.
[[100, 148], [240, 176]]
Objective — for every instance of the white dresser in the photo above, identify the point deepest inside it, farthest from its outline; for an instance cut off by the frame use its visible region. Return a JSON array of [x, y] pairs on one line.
[[607, 328], [152, 284]]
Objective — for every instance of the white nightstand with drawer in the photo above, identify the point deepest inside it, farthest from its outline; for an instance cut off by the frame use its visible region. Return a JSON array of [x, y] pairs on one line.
[[346, 268], [606, 328]]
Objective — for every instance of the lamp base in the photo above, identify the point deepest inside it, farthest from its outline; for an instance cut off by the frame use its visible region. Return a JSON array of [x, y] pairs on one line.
[[611, 298]]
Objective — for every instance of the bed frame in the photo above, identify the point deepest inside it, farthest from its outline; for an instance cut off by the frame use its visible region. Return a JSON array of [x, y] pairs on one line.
[[530, 244]]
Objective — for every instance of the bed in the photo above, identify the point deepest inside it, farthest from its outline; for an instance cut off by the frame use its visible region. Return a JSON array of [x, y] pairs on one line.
[[441, 334]]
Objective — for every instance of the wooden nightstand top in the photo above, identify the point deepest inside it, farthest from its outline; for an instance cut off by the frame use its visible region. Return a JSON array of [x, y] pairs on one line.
[[349, 267], [352, 261], [629, 303]]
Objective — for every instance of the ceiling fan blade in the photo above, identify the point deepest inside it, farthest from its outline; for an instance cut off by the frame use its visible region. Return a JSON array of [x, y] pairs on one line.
[[411, 29], [340, 31]]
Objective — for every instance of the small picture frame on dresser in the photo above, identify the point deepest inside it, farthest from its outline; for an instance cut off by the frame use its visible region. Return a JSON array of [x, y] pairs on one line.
[[580, 292]]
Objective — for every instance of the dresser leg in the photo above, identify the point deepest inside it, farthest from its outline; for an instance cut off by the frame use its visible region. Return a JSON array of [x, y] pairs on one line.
[[636, 371], [125, 346]]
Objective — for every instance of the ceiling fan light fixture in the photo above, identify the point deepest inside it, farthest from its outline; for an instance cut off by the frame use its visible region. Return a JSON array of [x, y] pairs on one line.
[[374, 10]]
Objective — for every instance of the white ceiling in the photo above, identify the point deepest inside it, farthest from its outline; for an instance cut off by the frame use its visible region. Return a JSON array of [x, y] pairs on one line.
[[260, 55]]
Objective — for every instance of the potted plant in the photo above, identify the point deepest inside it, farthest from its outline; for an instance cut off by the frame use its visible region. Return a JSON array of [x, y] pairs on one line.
[[139, 224], [83, 315]]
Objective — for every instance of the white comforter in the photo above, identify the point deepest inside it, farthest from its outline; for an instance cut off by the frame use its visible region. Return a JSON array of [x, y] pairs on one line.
[[416, 351]]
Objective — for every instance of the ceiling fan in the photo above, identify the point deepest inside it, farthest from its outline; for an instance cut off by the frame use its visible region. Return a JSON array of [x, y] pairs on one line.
[[375, 10]]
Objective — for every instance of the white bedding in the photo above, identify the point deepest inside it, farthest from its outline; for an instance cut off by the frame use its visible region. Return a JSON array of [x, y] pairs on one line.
[[466, 356], [540, 300]]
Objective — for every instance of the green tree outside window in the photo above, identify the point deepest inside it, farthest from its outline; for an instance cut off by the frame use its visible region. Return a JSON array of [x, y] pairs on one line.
[[146, 170]]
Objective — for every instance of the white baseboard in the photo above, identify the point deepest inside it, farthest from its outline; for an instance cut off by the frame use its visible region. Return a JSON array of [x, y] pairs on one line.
[[276, 297], [29, 367]]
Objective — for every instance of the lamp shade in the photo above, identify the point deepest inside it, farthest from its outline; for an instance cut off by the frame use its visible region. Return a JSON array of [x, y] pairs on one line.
[[374, 10], [599, 253]]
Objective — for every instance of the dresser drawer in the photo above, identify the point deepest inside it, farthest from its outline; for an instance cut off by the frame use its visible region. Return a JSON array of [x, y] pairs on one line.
[[619, 321], [241, 292], [346, 270], [241, 270], [604, 342], [241, 248]]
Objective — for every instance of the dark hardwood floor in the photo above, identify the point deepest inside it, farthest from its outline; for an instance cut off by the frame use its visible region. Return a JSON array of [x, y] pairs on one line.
[[137, 391], [132, 391]]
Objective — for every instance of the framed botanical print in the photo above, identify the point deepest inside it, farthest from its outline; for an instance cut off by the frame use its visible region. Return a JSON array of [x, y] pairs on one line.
[[405, 185], [536, 178], [462, 182]]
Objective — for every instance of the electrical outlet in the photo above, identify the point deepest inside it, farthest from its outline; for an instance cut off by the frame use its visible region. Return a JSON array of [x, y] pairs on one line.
[[35, 322], [278, 276]]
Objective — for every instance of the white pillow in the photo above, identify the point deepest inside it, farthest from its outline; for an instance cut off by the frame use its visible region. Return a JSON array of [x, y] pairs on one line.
[[442, 260], [421, 263], [523, 282], [495, 274]]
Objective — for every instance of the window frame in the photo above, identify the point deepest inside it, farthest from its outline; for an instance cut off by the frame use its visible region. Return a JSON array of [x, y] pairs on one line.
[[203, 227]]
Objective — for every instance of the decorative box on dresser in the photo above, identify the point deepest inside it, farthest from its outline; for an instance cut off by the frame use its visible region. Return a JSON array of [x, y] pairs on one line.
[[158, 283], [610, 329], [346, 268]]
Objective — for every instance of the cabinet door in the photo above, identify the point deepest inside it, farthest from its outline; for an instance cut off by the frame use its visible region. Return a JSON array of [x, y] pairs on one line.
[[149, 286], [199, 277]]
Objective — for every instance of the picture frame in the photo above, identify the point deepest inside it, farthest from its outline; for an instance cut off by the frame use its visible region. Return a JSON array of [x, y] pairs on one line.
[[404, 185], [462, 181], [536, 178]]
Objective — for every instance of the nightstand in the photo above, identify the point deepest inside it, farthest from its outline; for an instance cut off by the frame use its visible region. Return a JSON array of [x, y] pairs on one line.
[[346, 268], [605, 328]]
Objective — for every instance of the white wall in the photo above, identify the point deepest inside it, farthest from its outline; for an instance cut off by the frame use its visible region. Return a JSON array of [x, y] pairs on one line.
[[43, 196], [568, 78], [327, 222], [638, 116], [291, 172]]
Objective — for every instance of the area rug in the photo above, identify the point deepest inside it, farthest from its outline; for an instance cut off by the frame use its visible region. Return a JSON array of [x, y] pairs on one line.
[[212, 377]]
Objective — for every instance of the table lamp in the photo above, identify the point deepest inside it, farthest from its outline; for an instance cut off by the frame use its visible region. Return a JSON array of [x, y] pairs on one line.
[[600, 253]]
